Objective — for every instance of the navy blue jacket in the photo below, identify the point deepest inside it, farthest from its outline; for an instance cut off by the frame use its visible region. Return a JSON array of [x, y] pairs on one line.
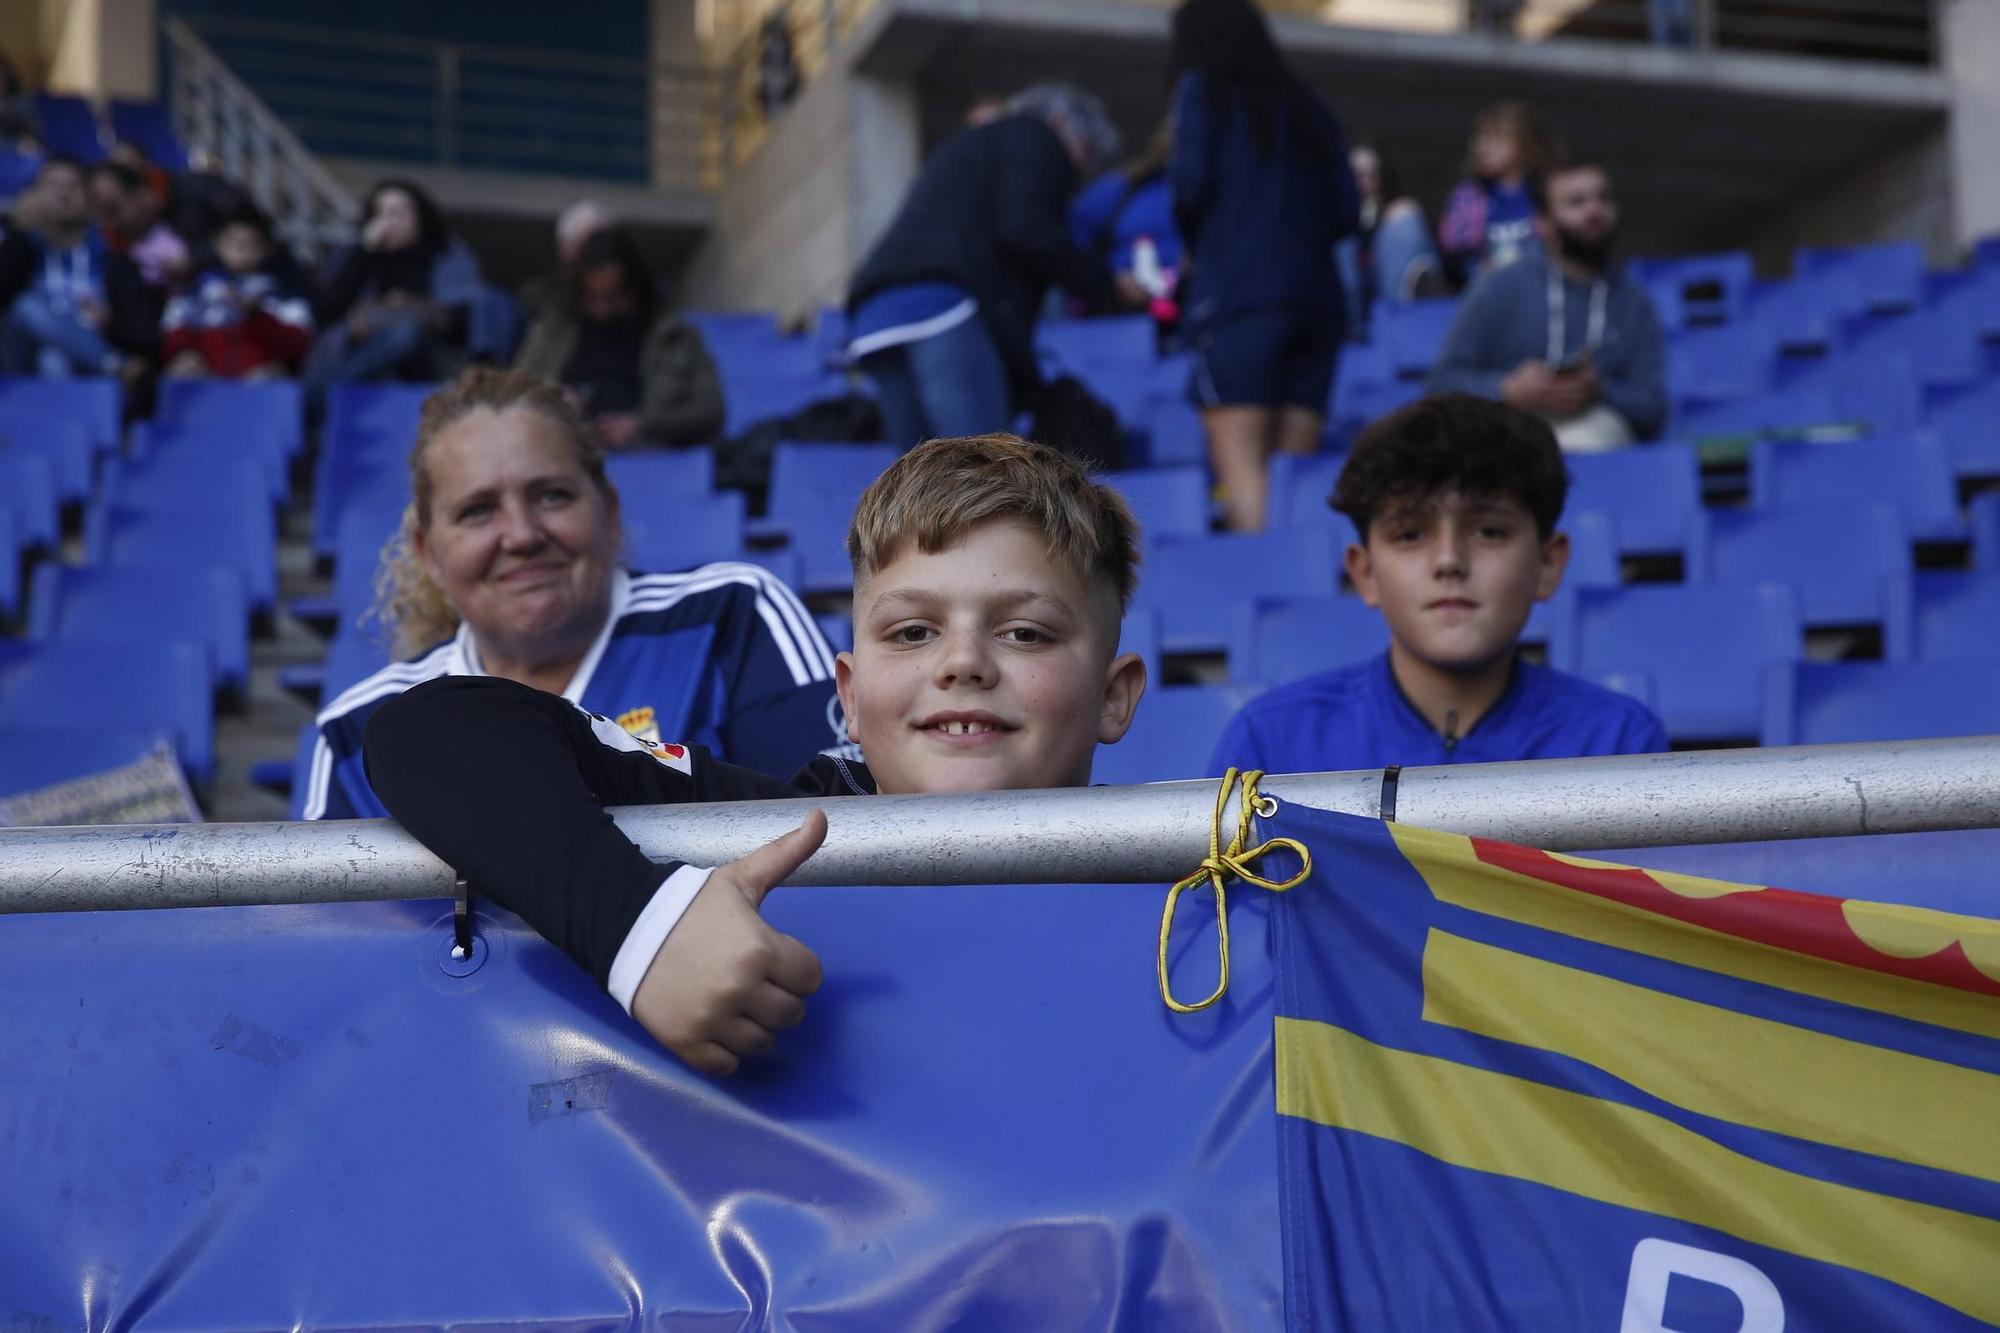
[[990, 214], [1260, 228]]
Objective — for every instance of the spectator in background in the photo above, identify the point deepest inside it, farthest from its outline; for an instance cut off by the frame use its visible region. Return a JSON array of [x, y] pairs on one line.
[[1564, 334], [577, 223], [128, 211], [1489, 217], [1392, 257], [78, 307], [1455, 502], [638, 374], [1262, 192], [942, 312], [240, 319], [507, 565], [1126, 216], [401, 303]]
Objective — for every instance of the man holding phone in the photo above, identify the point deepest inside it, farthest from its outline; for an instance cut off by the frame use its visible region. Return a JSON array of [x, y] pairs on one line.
[[1563, 333]]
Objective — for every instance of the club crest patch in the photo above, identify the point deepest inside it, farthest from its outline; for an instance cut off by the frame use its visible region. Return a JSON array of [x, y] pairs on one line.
[[642, 723]]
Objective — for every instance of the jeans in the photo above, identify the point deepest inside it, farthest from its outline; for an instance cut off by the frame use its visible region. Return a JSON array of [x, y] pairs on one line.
[[400, 343], [55, 344], [1672, 22], [951, 383]]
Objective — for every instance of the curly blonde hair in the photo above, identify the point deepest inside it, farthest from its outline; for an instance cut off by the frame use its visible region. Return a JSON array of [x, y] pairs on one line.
[[408, 602]]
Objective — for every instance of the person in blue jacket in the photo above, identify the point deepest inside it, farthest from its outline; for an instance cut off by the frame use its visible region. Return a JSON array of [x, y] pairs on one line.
[[1455, 500], [1262, 192], [507, 565]]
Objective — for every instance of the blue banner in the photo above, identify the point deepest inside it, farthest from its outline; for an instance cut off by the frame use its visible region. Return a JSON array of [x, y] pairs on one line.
[[1521, 1091]]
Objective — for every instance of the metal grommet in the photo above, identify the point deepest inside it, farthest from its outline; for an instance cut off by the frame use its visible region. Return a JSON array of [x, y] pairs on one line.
[[1266, 806], [459, 960]]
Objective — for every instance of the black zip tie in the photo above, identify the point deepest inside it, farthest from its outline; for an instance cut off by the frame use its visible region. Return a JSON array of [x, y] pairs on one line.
[[461, 919], [1388, 801]]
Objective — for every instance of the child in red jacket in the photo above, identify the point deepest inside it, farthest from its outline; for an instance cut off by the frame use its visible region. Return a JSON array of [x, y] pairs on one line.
[[238, 320]]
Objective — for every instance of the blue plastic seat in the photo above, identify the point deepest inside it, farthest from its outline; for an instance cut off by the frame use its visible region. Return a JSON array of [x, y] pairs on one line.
[[1884, 277], [1944, 616], [1652, 495], [1912, 473], [694, 531], [190, 533], [1412, 334], [1969, 423], [837, 630], [1697, 289], [270, 411], [646, 478], [1167, 501], [148, 125], [808, 479], [1071, 346], [1633, 682], [28, 497], [1173, 733], [1139, 633], [1705, 647], [1199, 584], [1829, 703], [175, 469], [1289, 640], [1790, 411], [11, 546], [33, 756], [1174, 433], [1593, 550], [1839, 555], [1985, 511], [202, 603], [18, 170], [1301, 488], [70, 127], [761, 391], [26, 401], [1718, 365], [147, 685], [364, 447]]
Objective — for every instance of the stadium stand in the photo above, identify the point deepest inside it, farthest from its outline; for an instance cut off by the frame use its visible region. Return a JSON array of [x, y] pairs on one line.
[[1826, 703]]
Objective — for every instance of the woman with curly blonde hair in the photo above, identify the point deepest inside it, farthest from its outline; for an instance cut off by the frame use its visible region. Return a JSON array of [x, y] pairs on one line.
[[507, 565]]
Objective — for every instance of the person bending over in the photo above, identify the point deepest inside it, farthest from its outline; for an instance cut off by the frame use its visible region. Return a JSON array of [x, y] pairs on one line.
[[1455, 502], [990, 576]]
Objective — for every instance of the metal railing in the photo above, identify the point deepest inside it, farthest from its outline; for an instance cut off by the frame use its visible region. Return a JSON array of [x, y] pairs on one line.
[[480, 106], [1150, 834], [227, 127]]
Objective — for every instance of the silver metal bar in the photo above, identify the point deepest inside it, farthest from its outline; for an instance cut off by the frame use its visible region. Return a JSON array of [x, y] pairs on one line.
[[1149, 834]]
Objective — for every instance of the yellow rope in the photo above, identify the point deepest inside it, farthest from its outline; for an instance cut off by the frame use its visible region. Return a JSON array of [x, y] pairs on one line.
[[1235, 859]]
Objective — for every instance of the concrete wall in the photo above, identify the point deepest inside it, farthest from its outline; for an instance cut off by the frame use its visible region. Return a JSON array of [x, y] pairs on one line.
[[1903, 195], [792, 222], [1971, 45]]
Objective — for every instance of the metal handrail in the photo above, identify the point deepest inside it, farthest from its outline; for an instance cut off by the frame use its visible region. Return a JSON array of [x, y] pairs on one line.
[[1149, 834], [225, 124]]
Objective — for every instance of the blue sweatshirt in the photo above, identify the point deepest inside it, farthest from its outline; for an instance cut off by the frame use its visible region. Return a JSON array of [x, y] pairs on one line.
[[1260, 228], [1358, 717], [1504, 321]]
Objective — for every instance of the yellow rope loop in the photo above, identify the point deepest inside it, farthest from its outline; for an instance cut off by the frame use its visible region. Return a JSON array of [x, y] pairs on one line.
[[1237, 860]]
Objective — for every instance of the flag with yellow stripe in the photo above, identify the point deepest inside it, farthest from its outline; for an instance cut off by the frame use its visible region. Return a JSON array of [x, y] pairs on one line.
[[1519, 1090]]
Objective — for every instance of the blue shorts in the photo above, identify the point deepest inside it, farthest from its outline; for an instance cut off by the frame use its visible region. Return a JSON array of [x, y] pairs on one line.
[[1267, 358]]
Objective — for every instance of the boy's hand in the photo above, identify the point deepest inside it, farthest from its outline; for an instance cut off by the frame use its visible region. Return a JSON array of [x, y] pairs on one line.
[[724, 982]]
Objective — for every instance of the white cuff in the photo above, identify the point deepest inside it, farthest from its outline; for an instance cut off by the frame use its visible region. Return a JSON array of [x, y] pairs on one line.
[[650, 931]]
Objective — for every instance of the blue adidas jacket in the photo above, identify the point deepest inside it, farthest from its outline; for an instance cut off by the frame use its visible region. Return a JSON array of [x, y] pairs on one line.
[[723, 656], [1358, 717]]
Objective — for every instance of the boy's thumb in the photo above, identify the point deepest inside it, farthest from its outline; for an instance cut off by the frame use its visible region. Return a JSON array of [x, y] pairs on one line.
[[770, 865]]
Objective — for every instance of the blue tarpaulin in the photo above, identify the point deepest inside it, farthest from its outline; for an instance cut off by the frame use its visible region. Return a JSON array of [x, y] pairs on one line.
[[225, 1119]]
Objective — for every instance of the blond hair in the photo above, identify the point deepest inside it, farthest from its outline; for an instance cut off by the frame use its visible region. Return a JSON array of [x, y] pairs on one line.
[[409, 603], [940, 490]]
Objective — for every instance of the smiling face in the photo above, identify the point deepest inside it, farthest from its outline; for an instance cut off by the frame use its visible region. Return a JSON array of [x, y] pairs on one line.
[[1455, 576], [986, 666], [518, 538]]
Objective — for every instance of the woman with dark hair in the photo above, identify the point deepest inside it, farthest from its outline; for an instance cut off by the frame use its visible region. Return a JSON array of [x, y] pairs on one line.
[[1262, 192], [1392, 258], [404, 300], [638, 373], [1489, 218]]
